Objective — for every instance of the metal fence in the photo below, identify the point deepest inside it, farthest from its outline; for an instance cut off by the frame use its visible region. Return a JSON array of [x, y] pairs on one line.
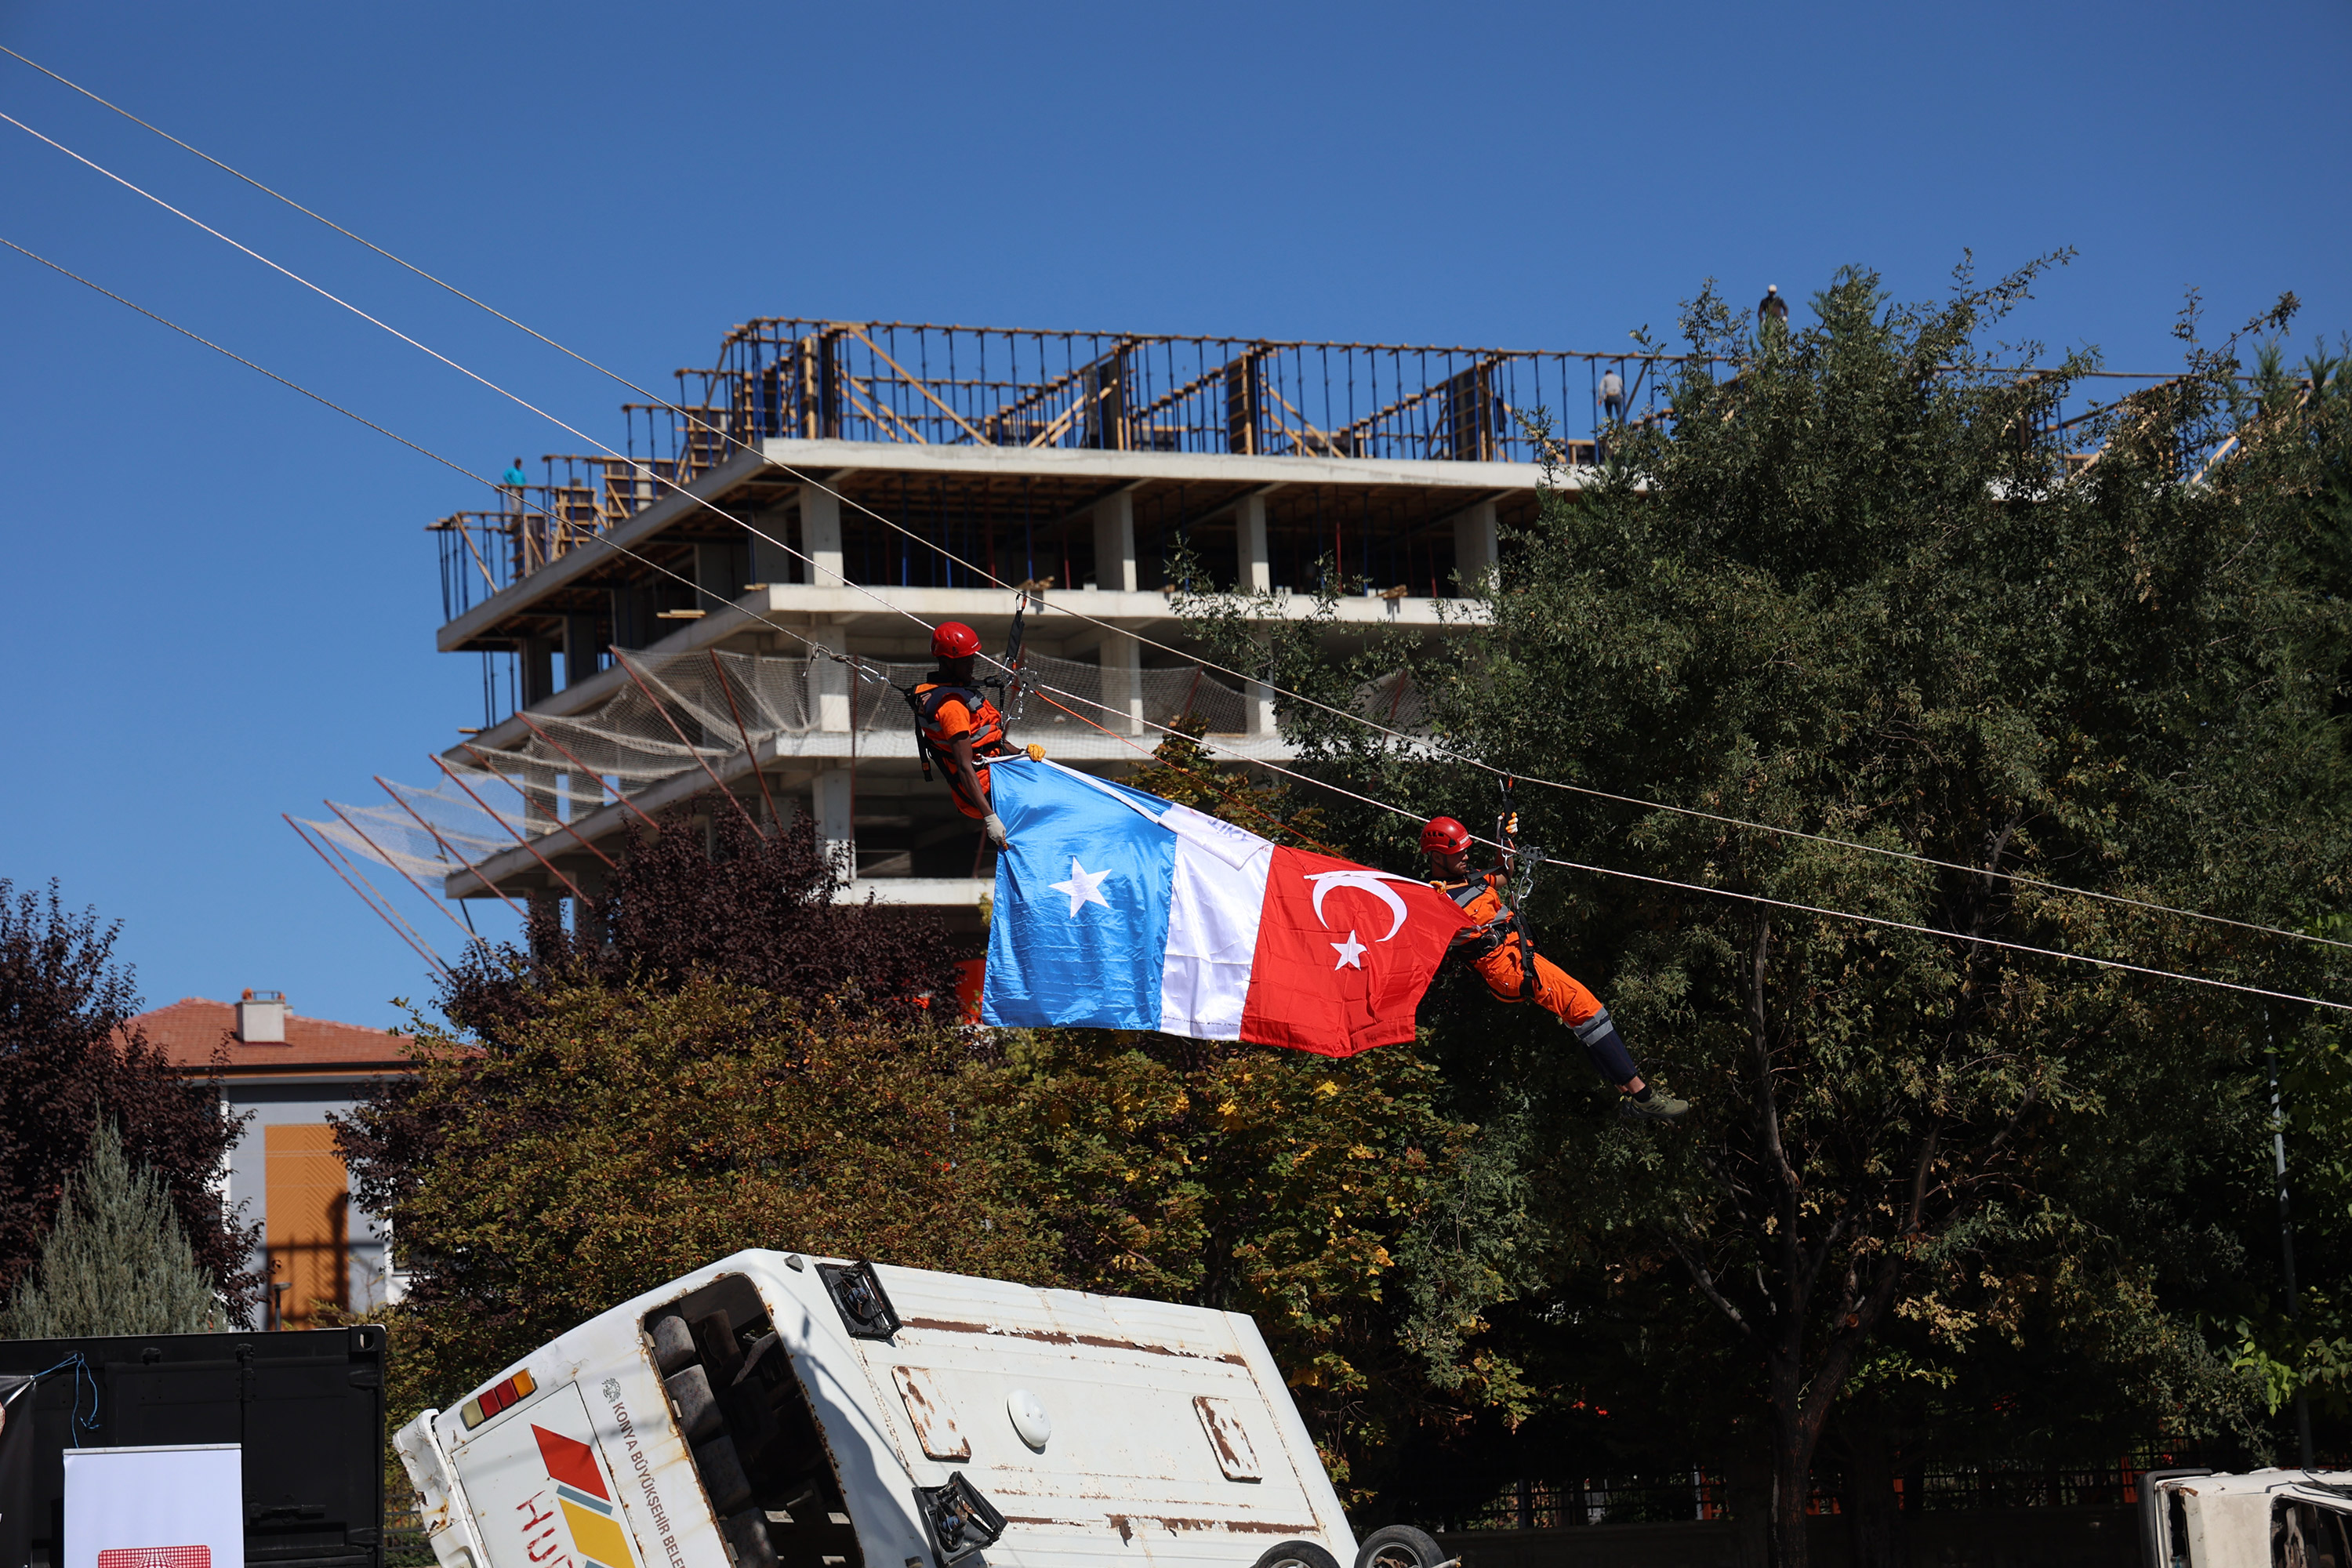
[[404, 1544], [1701, 1494], [950, 386]]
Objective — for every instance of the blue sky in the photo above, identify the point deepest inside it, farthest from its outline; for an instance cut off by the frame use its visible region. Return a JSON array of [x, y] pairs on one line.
[[221, 602]]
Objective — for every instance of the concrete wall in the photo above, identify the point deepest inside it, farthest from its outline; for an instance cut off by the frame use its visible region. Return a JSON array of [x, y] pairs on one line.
[[2086, 1537]]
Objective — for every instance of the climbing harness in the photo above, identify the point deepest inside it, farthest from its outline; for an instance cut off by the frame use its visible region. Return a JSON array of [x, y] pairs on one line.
[[1012, 687], [924, 699]]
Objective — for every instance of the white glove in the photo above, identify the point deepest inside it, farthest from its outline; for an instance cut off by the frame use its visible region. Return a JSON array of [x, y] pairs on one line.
[[993, 826]]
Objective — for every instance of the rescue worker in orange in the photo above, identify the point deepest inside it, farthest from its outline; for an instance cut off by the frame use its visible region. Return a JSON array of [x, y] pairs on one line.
[[1514, 971], [958, 729]]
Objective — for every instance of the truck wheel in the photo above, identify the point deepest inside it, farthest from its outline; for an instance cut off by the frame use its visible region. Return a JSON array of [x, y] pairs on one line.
[[1297, 1554], [1400, 1546]]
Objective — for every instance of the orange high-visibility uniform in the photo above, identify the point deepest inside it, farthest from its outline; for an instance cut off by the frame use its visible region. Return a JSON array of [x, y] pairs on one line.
[[944, 712], [1501, 960]]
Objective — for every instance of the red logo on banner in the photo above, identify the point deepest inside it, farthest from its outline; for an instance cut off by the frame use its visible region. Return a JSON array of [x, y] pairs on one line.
[[156, 1557]]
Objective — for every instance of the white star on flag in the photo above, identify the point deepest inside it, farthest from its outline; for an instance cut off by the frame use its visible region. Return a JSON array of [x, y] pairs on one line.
[[1350, 951], [1084, 887]]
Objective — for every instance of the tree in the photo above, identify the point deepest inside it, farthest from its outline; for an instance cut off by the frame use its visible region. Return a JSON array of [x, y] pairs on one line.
[[116, 1262], [72, 1060], [2295, 427], [761, 909], [1858, 590], [623, 1135], [689, 903]]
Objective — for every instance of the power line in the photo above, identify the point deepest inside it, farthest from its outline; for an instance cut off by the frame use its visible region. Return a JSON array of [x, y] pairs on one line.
[[1287, 772], [2018, 878], [1384, 805], [454, 467]]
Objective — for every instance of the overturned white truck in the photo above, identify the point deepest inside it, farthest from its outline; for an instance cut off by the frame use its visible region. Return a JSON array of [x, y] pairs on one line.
[[779, 1411], [2260, 1519]]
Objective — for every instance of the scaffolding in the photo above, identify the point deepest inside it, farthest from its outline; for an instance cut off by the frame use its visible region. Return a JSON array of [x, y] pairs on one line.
[[923, 384], [918, 384]]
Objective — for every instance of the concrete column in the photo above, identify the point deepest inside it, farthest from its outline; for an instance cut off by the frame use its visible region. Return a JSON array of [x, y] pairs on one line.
[[1115, 543], [582, 647], [1122, 682], [1476, 547], [1250, 546], [771, 562], [538, 663], [716, 575], [828, 683], [831, 802], [1259, 695], [821, 536]]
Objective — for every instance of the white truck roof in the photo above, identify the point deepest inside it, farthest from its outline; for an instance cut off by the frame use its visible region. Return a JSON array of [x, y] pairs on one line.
[[773, 1411], [2231, 1521]]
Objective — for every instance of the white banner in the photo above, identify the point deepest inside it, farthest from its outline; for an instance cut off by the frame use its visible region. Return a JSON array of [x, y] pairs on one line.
[[179, 1507]]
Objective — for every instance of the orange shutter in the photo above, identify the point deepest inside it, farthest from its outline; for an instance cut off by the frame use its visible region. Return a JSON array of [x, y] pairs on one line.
[[308, 1220]]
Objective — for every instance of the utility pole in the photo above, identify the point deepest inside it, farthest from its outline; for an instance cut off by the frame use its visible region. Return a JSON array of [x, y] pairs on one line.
[[2286, 1232]]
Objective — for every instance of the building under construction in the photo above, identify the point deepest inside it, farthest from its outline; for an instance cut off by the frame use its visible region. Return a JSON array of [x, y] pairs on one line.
[[733, 599], [728, 599]]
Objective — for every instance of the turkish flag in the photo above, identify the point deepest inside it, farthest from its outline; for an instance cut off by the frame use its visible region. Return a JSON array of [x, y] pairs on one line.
[[1343, 955]]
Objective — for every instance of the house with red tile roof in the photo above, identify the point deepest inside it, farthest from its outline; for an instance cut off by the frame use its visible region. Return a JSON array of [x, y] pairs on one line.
[[291, 1073]]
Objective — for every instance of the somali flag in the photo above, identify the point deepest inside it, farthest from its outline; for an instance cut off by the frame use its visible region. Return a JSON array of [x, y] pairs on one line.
[[1118, 909]]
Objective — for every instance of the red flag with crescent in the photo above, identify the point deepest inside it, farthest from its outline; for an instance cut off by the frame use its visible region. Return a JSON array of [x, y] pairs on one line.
[[1344, 954]]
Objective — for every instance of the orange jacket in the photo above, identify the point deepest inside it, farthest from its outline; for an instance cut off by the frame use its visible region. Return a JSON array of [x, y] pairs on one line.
[[1481, 898], [944, 714]]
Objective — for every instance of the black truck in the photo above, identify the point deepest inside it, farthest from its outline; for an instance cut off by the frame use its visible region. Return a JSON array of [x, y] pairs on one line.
[[306, 1407]]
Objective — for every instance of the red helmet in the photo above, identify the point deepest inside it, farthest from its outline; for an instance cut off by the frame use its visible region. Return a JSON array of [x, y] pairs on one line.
[[1443, 835], [953, 640]]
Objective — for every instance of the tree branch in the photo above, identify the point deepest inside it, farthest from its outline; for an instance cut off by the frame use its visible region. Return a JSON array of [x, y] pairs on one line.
[[1707, 1283], [1767, 1113]]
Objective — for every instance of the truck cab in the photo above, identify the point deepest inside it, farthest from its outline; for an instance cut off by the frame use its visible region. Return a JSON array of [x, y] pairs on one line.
[[2260, 1519], [775, 1410]]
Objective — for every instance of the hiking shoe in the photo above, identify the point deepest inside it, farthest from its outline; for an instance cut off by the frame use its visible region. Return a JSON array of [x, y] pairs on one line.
[[1659, 1106]]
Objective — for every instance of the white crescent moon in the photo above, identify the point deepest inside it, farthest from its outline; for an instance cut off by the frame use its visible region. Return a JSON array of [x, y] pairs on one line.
[[1368, 881]]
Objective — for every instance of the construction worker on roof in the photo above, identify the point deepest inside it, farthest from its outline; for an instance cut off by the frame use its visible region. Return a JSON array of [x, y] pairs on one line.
[[959, 729], [1514, 972]]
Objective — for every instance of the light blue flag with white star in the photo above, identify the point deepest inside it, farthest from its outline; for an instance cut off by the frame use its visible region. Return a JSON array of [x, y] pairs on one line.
[[1079, 931]]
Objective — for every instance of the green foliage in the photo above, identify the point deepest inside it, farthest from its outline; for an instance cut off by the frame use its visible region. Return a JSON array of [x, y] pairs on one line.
[[116, 1262], [1857, 589]]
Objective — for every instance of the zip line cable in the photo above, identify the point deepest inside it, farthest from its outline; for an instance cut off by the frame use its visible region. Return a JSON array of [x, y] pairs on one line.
[[1287, 772], [515, 398], [695, 420], [979, 571], [1960, 937], [422, 451]]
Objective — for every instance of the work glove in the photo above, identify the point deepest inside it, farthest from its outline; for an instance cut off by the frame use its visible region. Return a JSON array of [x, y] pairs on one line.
[[992, 825]]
